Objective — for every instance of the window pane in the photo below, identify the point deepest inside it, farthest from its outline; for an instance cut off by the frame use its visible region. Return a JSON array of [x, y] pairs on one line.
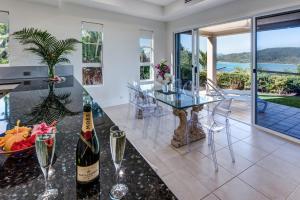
[[91, 53], [183, 56], [145, 72], [145, 55], [3, 43], [91, 37], [145, 42], [92, 76]]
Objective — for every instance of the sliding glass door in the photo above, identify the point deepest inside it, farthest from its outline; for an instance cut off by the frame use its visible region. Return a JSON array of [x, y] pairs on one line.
[[277, 72], [183, 56], [187, 58]]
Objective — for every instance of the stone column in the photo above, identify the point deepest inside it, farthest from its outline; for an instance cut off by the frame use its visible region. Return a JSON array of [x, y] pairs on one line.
[[212, 58]]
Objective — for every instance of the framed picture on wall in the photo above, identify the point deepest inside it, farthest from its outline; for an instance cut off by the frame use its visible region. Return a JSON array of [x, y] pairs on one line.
[[92, 76]]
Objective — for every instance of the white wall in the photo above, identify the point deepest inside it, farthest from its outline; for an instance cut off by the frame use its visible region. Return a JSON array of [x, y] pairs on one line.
[[121, 42], [228, 12]]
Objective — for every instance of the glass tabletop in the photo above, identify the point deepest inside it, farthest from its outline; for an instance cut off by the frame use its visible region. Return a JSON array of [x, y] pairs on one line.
[[179, 98]]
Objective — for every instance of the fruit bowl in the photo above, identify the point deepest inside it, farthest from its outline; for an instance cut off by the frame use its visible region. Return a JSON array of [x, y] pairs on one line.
[[17, 143], [18, 153]]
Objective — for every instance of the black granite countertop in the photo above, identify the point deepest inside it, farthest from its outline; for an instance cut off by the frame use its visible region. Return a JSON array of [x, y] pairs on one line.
[[21, 178]]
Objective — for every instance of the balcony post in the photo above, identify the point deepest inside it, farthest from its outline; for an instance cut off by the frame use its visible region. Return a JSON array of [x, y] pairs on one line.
[[212, 58]]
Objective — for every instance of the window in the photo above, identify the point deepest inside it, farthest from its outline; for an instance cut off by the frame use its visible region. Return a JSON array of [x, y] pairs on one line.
[[146, 55], [92, 51], [4, 35]]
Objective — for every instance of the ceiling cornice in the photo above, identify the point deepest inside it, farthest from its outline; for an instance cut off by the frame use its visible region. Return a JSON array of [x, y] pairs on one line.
[[138, 8]]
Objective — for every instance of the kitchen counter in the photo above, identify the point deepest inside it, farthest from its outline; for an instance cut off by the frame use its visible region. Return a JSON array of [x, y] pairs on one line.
[[38, 100]]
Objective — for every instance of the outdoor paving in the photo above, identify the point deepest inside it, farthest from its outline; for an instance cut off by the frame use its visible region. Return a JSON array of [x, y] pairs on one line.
[[281, 118], [277, 117]]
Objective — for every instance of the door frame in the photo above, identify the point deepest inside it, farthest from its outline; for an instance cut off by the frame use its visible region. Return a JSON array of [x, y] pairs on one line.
[[254, 73], [195, 56]]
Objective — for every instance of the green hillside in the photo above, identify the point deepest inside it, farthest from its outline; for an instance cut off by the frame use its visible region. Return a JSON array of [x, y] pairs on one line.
[[286, 55]]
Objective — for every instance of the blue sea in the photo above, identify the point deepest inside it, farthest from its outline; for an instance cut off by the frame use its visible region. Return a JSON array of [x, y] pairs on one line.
[[231, 66]]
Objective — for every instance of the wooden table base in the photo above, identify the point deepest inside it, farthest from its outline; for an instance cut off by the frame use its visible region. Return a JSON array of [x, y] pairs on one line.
[[195, 132]]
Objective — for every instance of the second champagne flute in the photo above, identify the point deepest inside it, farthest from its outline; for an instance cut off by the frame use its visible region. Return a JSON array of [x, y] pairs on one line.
[[117, 148], [45, 147]]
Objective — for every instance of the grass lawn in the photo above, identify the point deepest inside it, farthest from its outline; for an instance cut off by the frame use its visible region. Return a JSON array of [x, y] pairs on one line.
[[293, 101]]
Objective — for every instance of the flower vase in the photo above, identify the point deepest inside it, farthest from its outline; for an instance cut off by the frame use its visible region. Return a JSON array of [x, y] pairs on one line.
[[165, 88], [51, 73]]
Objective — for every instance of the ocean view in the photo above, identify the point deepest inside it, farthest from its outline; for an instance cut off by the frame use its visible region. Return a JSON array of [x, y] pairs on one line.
[[231, 66]]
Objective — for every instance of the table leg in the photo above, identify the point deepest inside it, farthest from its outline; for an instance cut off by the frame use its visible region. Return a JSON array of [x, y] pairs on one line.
[[196, 131], [179, 138]]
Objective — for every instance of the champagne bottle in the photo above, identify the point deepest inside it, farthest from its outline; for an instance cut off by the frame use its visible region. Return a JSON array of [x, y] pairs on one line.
[[87, 152]]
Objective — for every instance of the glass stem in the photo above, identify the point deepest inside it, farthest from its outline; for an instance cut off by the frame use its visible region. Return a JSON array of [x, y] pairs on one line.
[[46, 179], [117, 173]]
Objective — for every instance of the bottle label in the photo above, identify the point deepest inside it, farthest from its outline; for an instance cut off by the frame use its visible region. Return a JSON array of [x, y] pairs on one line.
[[87, 125], [87, 174]]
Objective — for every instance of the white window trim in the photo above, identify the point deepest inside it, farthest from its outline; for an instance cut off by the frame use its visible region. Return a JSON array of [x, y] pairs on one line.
[[151, 63], [98, 65]]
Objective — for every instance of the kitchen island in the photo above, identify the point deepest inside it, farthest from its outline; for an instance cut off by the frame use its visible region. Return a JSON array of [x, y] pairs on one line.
[[36, 100]]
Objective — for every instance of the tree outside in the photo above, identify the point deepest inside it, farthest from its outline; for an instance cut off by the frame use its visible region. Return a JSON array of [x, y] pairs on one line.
[[4, 43]]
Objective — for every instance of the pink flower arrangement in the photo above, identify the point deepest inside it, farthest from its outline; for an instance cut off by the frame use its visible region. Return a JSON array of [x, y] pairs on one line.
[[163, 72]]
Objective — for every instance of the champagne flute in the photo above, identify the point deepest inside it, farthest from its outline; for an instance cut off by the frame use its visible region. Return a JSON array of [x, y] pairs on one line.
[[45, 147], [117, 148]]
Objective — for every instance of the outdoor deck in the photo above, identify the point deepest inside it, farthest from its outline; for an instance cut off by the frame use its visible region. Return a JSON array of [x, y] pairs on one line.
[[277, 117]]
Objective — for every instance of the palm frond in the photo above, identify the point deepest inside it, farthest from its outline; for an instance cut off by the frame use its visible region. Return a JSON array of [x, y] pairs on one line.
[[43, 44]]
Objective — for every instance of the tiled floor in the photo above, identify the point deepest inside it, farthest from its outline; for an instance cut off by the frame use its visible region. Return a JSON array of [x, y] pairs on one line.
[[266, 167]]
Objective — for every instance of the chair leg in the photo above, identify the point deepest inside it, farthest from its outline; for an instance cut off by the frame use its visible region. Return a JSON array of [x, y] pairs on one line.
[[213, 150], [228, 133], [129, 111], [209, 139], [146, 122]]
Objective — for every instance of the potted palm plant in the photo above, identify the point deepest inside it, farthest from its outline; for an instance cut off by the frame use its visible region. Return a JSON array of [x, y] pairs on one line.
[[43, 44]]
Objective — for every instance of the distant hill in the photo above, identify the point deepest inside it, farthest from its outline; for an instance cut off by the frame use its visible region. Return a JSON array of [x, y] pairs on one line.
[[286, 55]]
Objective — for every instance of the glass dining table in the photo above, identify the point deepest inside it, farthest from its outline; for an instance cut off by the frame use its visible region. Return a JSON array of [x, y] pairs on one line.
[[181, 100]]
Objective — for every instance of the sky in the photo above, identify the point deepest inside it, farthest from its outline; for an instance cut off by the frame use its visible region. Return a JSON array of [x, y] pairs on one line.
[[289, 37], [238, 43], [226, 44]]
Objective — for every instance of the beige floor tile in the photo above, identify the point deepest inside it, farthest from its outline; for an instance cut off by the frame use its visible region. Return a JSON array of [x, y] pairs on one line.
[[194, 155], [268, 183], [201, 146], [205, 172], [239, 133], [221, 139], [238, 190], [280, 167], [289, 153], [243, 126], [205, 149], [262, 143], [240, 164], [211, 197], [268, 136], [155, 162], [295, 195], [185, 186], [248, 151]]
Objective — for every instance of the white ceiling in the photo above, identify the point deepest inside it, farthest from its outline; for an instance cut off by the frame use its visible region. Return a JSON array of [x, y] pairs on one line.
[[160, 2], [162, 10]]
